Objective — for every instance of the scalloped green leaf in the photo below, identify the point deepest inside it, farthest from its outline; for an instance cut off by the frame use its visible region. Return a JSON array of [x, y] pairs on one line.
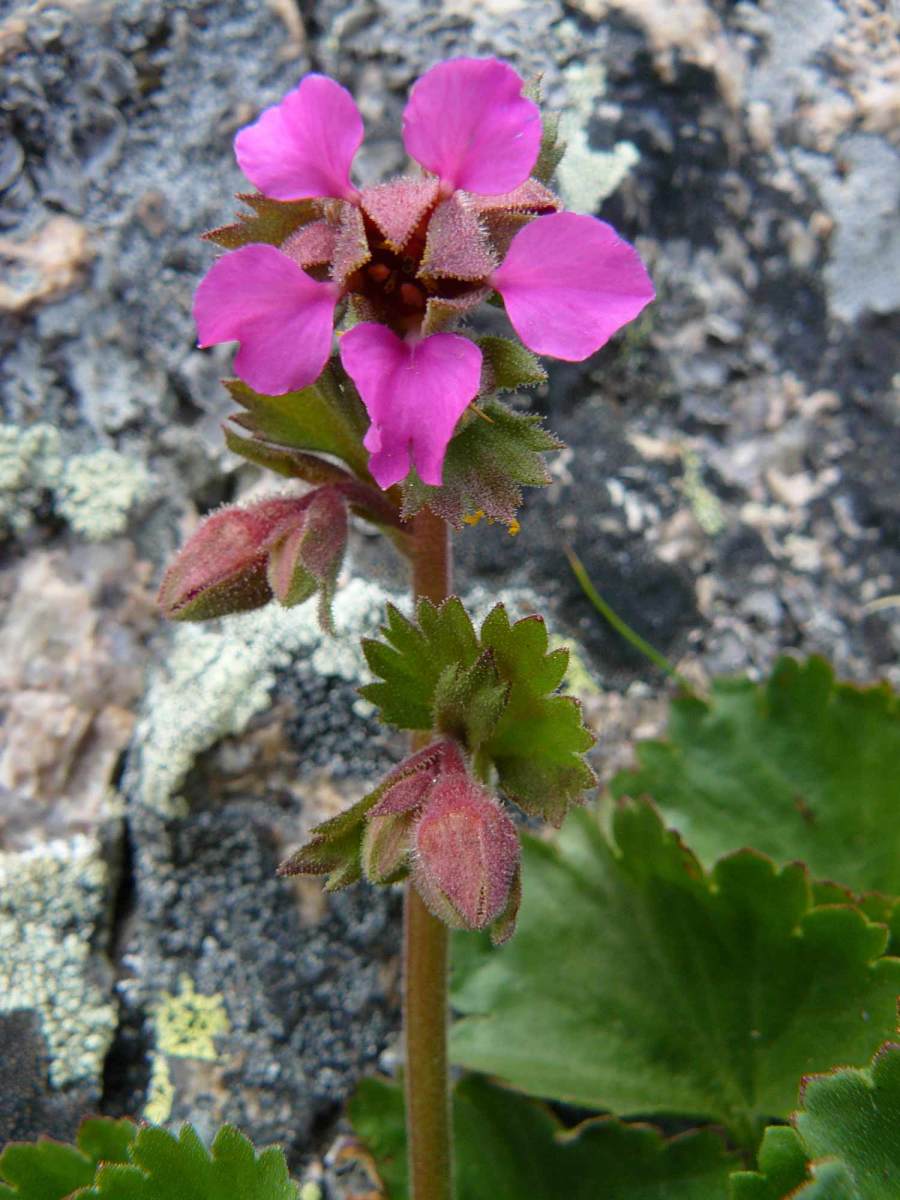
[[271, 221], [168, 1168], [640, 984], [538, 742], [495, 453], [495, 692], [325, 417], [509, 364], [114, 1160], [413, 656], [51, 1170], [509, 1148], [800, 767], [845, 1141]]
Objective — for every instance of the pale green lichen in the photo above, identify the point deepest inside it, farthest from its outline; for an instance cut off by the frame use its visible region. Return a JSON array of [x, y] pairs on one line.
[[30, 465], [187, 1022], [93, 492], [587, 176], [52, 900], [217, 677], [186, 1025], [704, 503], [160, 1092], [97, 491]]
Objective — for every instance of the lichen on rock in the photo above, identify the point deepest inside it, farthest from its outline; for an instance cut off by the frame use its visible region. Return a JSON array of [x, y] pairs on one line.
[[52, 903]]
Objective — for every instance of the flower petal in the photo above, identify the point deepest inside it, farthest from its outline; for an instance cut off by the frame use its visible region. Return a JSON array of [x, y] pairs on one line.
[[303, 146], [283, 319], [467, 121], [569, 282], [414, 395]]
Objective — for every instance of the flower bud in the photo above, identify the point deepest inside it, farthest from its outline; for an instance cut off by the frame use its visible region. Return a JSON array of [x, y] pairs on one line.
[[308, 556], [389, 826], [222, 568], [466, 855], [386, 846]]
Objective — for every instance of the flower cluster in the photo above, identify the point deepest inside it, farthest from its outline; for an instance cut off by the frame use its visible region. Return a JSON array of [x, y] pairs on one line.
[[399, 265], [431, 821]]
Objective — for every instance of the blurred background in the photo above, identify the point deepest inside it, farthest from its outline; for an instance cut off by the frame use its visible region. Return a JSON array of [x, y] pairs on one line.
[[730, 485]]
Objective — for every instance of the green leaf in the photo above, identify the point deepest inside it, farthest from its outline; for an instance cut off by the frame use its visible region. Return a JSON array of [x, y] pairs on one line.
[[801, 768], [537, 744], [552, 149], [509, 364], [116, 1161], [639, 983], [782, 1168], [50, 1170], [284, 460], [169, 1168], [324, 417], [845, 1140], [509, 1148], [413, 657], [495, 693], [271, 221], [335, 847], [490, 459]]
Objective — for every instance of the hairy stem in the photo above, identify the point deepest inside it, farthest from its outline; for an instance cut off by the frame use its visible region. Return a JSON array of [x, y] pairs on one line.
[[428, 1129]]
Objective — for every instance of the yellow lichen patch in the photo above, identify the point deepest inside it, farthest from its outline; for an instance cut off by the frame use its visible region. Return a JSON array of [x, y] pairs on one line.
[[187, 1023], [160, 1093]]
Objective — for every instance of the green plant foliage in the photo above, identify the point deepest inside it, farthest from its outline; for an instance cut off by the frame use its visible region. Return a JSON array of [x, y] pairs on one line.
[[639, 983], [49, 1170], [845, 1140], [335, 847], [324, 417], [495, 691], [801, 768], [116, 1161], [509, 364], [271, 221], [495, 453], [509, 1148]]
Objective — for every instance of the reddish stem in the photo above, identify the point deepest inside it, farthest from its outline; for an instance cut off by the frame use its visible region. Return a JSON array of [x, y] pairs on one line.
[[428, 1121]]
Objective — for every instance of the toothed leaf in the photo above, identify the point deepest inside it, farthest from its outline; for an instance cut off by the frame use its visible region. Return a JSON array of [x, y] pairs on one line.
[[659, 988], [490, 459], [506, 1146], [800, 767], [270, 221]]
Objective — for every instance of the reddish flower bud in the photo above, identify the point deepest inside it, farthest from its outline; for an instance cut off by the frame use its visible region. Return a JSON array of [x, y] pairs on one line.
[[389, 823], [308, 556], [222, 568], [466, 855], [386, 846]]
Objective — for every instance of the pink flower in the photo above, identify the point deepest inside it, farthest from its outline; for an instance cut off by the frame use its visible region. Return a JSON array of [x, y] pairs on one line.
[[413, 257]]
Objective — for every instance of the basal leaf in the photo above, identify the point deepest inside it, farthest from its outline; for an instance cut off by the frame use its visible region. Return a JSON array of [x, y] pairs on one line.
[[114, 1160], [50, 1170], [324, 417], [801, 768], [495, 692], [845, 1144], [496, 452], [168, 1168], [640, 984], [510, 1148]]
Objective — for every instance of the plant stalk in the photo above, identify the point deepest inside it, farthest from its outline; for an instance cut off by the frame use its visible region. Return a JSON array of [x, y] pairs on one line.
[[425, 1007]]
